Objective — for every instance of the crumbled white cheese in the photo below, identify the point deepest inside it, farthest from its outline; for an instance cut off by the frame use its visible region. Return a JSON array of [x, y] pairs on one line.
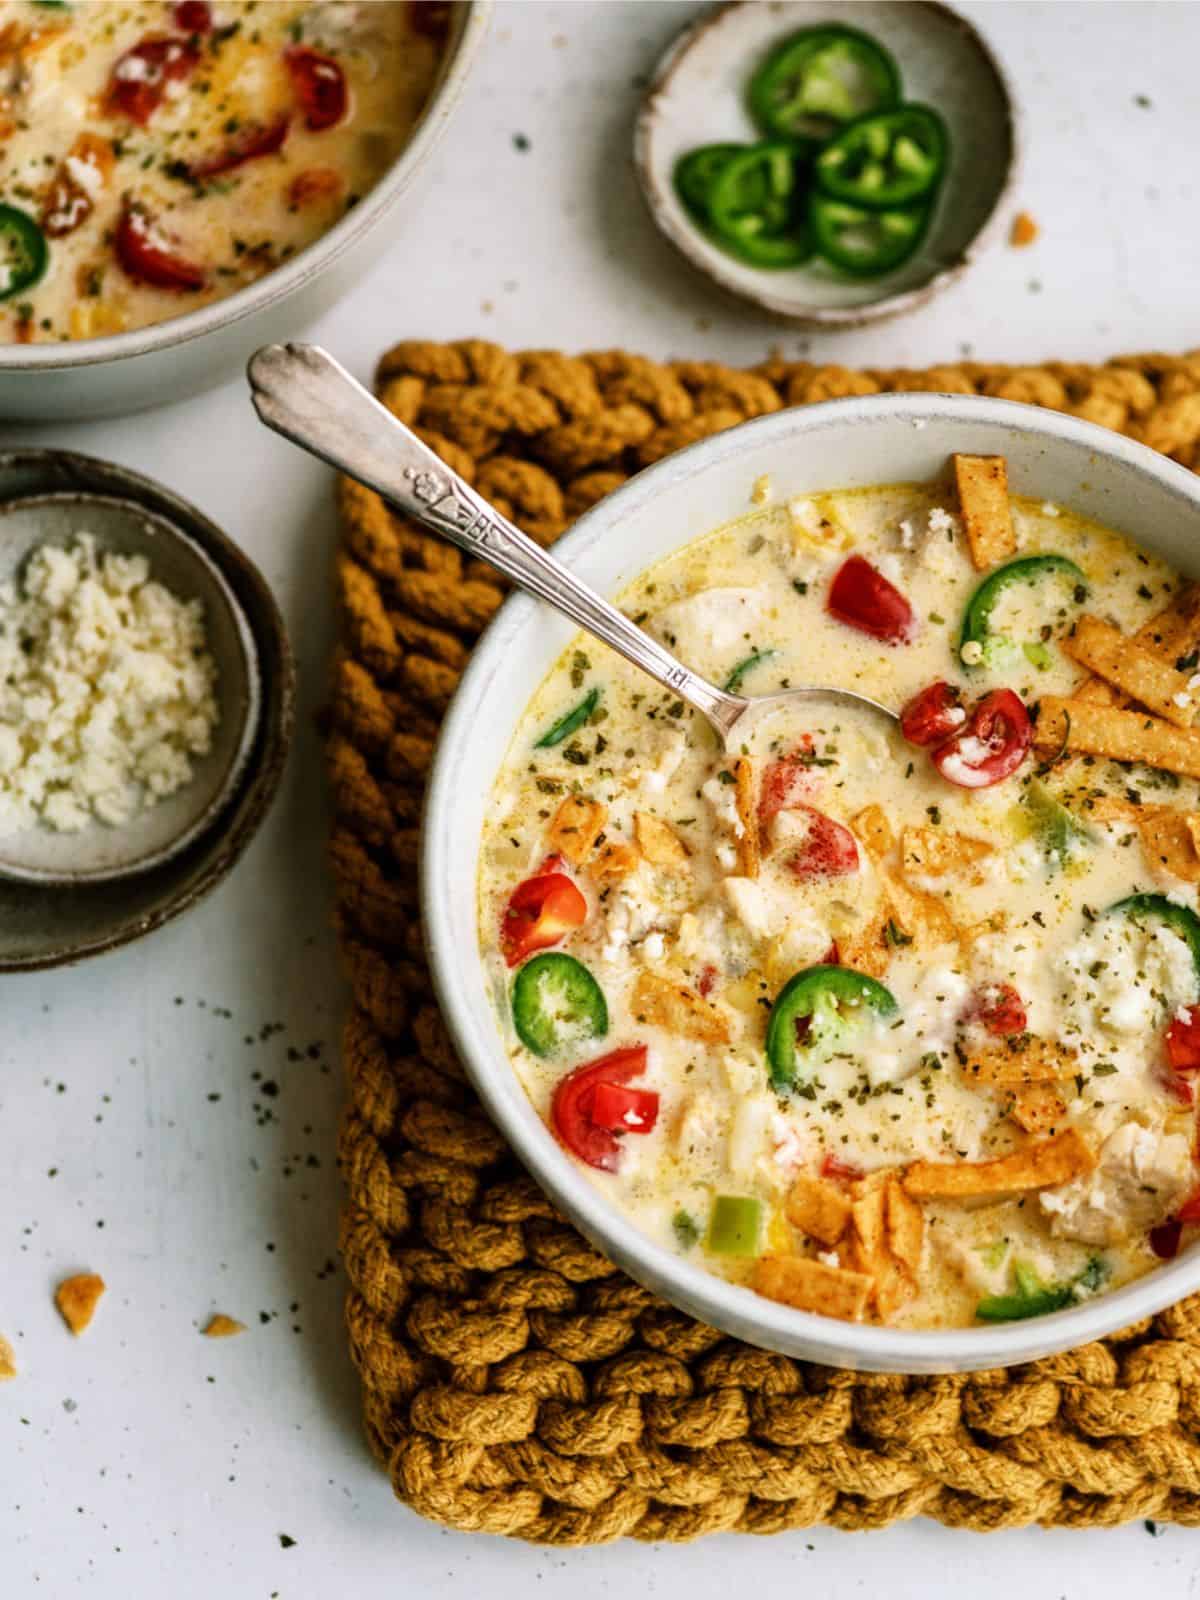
[[106, 689], [1049, 509], [1140, 1178], [654, 946], [1183, 701]]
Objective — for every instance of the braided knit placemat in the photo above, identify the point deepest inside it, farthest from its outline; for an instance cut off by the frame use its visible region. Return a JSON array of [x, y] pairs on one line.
[[514, 1381]]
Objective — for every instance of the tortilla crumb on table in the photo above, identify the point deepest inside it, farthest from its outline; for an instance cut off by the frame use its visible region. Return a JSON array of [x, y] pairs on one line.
[[8, 1360], [219, 1326], [475, 1311], [77, 1299], [1024, 230]]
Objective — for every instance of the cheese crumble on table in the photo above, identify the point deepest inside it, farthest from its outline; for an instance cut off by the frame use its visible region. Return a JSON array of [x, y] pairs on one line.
[[107, 689]]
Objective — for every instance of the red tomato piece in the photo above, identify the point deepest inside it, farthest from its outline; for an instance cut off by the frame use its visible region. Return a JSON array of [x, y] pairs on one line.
[[1164, 1240], [992, 745], [832, 956], [1001, 1010], [149, 254], [540, 912], [840, 1171], [1178, 1088], [139, 80], [828, 851], [430, 17], [623, 1110], [194, 16], [1182, 1040], [863, 598], [320, 85], [573, 1107], [708, 978], [931, 716], [786, 782], [246, 145], [314, 186], [1189, 1211]]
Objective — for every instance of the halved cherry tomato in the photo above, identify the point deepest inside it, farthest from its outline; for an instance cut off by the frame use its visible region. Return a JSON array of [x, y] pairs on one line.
[[139, 80], [194, 16], [148, 254], [573, 1108], [1164, 1240], [828, 850], [1189, 1211], [246, 145], [541, 912], [320, 85], [840, 1171], [1182, 1040], [931, 716], [1001, 1010], [864, 599], [623, 1110], [786, 782], [993, 744]]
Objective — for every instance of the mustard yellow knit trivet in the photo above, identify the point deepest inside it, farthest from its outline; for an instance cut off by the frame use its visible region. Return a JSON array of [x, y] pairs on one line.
[[514, 1381]]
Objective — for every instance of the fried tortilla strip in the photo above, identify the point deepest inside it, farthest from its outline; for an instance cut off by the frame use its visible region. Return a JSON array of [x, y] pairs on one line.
[[1021, 1059], [1037, 1107], [873, 828], [77, 1299], [679, 1009], [904, 1223], [1173, 633], [576, 826], [818, 1208], [1170, 841], [932, 852], [748, 848], [866, 948], [869, 1248], [1040, 1165], [1139, 672], [812, 1286], [8, 1360], [615, 860], [1111, 808], [1076, 725], [983, 500], [659, 843], [924, 917]]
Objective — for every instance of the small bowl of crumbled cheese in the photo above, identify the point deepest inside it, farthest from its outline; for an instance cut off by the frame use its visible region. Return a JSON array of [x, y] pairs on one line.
[[129, 689]]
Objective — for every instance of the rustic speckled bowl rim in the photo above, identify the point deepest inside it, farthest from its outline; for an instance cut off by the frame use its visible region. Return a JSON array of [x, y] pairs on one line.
[[461, 989], [233, 828], [470, 19], [705, 259]]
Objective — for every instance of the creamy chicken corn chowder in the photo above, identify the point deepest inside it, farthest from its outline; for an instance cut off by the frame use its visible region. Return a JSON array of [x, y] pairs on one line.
[[894, 1022], [155, 156]]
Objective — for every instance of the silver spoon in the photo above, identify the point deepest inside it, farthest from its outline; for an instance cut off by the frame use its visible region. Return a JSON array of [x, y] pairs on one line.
[[300, 391]]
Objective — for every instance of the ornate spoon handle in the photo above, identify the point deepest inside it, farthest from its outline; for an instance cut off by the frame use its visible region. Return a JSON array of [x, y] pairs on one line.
[[300, 391]]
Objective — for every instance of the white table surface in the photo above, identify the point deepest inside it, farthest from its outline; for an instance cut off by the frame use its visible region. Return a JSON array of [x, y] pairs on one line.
[[138, 1135]]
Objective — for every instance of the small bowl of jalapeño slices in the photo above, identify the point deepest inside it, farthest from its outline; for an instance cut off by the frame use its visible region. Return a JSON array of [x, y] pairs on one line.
[[834, 172]]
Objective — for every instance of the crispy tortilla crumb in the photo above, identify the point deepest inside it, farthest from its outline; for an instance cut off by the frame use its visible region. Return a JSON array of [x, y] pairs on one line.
[[8, 1360], [1024, 230], [77, 1299], [219, 1326]]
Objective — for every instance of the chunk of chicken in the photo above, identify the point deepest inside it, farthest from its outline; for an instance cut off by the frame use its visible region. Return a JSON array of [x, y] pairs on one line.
[[1140, 1179]]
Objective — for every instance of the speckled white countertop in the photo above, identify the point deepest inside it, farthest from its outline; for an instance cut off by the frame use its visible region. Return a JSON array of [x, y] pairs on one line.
[[167, 1114]]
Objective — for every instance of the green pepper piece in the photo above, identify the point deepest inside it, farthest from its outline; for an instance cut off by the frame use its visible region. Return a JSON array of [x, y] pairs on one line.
[[734, 1226], [734, 681], [1032, 1298], [862, 243], [556, 1002], [831, 999], [683, 1225], [571, 722], [1180, 919], [696, 172], [1038, 655], [816, 79], [977, 618], [1059, 834], [24, 252], [755, 206], [889, 159]]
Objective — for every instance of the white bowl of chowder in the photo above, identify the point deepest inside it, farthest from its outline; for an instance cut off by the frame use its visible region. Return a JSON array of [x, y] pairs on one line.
[[181, 180], [871, 1043]]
